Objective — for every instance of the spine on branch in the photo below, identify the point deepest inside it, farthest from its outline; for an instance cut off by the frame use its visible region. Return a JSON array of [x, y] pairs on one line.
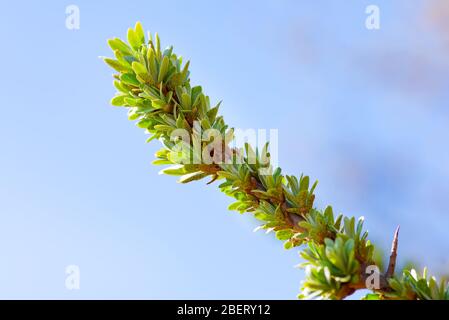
[[154, 85]]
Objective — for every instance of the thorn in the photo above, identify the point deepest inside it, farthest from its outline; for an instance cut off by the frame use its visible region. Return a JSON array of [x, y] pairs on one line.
[[394, 245], [393, 254]]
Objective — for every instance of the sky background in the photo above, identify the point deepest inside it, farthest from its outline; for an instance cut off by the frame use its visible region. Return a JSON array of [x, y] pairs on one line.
[[363, 111]]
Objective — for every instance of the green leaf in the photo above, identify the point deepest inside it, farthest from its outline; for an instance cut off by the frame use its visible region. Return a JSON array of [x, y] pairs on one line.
[[140, 34], [118, 101], [192, 177], [158, 45], [160, 162], [168, 52], [134, 40], [116, 65], [227, 175], [234, 206], [186, 102], [263, 216], [284, 234], [163, 127], [133, 102], [152, 64], [304, 185], [117, 44], [212, 113], [177, 170], [163, 69], [349, 224], [288, 245], [139, 68], [130, 79], [313, 187], [185, 71], [144, 123], [151, 138], [371, 296], [120, 87], [132, 115]]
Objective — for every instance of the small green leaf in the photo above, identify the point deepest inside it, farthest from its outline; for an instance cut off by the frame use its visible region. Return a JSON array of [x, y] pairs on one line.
[[288, 245], [284, 234], [116, 65], [371, 296], [160, 162], [192, 177], [117, 44], [234, 206], [120, 87], [132, 115], [133, 39], [304, 185], [118, 101], [263, 216], [140, 34], [177, 170], [151, 138], [158, 45], [186, 102], [227, 175], [144, 123], [152, 64], [185, 71], [212, 113], [163, 69], [139, 68], [130, 79]]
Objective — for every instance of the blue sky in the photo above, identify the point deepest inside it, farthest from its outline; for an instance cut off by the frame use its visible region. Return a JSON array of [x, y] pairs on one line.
[[364, 112]]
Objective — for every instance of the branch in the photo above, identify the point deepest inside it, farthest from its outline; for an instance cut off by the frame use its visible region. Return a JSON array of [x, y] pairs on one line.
[[154, 85]]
